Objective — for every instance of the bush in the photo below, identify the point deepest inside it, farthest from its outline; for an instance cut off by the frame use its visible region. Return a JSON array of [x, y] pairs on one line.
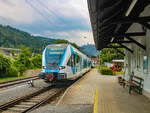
[[22, 61], [13, 71], [7, 68], [36, 61], [20, 64], [106, 71]]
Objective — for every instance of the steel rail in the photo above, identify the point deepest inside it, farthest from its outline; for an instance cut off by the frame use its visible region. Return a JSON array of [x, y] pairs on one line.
[[17, 81], [48, 98], [35, 99]]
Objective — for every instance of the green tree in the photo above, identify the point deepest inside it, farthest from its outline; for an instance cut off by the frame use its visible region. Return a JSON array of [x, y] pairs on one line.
[[22, 61], [6, 67], [37, 61], [109, 54]]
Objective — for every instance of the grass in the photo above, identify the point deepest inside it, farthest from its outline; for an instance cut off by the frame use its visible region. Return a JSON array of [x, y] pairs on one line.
[[10, 78]]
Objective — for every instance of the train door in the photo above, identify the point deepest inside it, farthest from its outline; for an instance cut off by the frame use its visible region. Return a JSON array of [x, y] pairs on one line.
[[71, 66], [78, 63]]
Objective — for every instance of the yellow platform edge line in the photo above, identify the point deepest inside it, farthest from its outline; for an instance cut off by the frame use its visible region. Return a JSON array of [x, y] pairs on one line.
[[95, 101]]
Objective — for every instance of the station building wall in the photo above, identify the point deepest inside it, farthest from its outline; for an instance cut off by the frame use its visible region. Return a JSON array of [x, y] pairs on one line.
[[139, 61]]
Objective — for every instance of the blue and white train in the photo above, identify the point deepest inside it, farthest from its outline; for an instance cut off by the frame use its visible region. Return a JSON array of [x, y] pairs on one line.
[[63, 62]]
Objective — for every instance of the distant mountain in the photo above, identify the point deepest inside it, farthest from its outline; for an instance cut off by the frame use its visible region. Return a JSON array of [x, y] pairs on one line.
[[13, 38], [89, 50]]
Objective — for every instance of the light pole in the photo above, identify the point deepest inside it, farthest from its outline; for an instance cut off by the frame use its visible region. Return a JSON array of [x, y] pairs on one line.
[[99, 60]]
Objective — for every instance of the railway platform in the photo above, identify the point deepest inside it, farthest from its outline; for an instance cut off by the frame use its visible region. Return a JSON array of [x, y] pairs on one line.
[[96, 93]]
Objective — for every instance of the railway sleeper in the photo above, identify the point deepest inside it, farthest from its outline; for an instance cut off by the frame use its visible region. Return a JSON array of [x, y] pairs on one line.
[[16, 109], [33, 100], [23, 106], [27, 103]]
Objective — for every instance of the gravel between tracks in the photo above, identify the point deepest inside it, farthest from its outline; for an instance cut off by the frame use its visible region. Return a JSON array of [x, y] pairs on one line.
[[10, 93]]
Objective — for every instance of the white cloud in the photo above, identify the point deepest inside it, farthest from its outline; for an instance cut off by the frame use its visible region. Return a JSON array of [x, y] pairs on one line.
[[78, 37], [21, 12], [17, 11], [29, 11], [69, 9], [81, 37]]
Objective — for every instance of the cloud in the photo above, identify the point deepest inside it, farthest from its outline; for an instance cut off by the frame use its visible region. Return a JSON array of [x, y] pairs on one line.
[[17, 11], [72, 9], [79, 37], [61, 19]]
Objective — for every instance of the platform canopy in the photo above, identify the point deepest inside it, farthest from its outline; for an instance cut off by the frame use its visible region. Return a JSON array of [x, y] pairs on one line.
[[110, 19]]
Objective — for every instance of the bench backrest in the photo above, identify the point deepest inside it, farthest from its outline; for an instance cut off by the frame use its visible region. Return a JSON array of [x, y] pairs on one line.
[[137, 80]]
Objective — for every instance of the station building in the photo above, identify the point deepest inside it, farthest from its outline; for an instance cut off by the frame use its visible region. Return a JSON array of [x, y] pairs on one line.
[[9, 51], [126, 23], [137, 61]]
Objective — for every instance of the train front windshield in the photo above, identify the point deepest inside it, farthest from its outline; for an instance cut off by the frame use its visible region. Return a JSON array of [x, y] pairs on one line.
[[54, 56]]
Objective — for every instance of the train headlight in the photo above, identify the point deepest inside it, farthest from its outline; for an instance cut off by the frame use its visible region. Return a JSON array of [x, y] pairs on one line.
[[44, 67], [62, 67]]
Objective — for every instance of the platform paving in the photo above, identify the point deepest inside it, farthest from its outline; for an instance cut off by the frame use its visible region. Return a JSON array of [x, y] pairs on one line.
[[83, 91], [111, 97]]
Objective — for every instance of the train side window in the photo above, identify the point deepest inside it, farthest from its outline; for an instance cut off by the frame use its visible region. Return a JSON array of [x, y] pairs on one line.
[[71, 61], [85, 63], [89, 63], [78, 58]]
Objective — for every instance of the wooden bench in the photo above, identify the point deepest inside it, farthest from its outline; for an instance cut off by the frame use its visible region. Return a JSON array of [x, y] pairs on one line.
[[121, 80], [135, 83]]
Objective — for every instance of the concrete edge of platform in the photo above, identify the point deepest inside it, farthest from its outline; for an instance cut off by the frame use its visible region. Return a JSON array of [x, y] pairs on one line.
[[64, 94], [70, 88]]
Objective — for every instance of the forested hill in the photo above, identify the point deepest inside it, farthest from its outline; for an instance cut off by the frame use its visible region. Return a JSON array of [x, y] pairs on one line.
[[14, 38]]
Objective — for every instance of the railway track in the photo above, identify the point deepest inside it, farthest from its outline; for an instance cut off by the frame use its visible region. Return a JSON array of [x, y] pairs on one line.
[[34, 100], [17, 81], [29, 102]]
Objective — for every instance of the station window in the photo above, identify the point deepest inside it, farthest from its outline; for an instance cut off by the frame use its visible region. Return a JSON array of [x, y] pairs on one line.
[[145, 64], [138, 60]]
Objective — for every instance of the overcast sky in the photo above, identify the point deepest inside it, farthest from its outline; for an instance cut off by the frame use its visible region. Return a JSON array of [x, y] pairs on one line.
[[61, 19]]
